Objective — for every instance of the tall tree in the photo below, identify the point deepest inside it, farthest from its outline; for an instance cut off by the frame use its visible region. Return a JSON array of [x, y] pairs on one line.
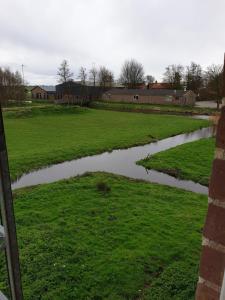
[[150, 79], [105, 77], [194, 77], [83, 75], [174, 76], [132, 73], [64, 73], [93, 75], [214, 81]]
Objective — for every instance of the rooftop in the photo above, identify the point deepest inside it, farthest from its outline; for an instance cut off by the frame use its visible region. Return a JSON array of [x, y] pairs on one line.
[[146, 92], [47, 88]]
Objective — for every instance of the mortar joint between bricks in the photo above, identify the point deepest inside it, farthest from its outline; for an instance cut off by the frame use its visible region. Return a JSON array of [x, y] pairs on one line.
[[212, 244], [209, 284], [220, 153], [216, 202]]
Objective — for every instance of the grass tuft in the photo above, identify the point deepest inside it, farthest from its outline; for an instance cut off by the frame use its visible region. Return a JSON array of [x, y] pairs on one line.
[[103, 187]]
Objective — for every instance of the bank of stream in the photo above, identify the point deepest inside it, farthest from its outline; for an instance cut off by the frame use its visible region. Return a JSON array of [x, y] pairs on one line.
[[120, 162]]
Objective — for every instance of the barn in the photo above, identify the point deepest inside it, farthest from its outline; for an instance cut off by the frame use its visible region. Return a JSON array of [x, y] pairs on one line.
[[75, 93], [46, 92], [151, 96]]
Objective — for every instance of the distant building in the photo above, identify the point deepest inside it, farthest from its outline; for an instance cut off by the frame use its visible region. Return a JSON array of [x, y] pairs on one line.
[[159, 86], [75, 93], [153, 96], [47, 92]]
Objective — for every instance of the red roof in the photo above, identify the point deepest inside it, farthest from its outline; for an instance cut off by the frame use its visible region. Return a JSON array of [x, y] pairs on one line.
[[159, 85]]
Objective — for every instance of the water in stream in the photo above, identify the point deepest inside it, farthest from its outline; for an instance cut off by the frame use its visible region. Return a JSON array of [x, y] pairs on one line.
[[120, 162]]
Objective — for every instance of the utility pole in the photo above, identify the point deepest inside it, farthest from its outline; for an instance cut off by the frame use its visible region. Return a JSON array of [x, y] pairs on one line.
[[23, 72], [8, 238]]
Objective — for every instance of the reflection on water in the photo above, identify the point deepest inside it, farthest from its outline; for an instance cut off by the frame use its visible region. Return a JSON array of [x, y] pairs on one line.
[[121, 162]]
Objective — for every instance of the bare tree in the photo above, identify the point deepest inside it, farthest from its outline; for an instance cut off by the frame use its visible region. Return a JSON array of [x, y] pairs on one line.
[[150, 79], [83, 75], [11, 86], [174, 75], [214, 81], [64, 73], [105, 77], [93, 75], [194, 77], [132, 73]]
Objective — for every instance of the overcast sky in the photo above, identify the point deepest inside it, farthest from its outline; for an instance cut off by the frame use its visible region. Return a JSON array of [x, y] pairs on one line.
[[40, 34]]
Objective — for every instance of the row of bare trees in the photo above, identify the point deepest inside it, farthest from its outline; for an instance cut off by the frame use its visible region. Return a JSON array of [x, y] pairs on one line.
[[132, 74], [103, 76], [11, 86], [205, 83], [193, 76]]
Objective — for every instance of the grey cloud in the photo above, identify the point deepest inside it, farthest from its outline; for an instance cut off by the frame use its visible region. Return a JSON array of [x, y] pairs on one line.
[[41, 33]]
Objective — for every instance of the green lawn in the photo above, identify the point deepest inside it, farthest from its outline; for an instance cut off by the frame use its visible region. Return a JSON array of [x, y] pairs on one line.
[[106, 237], [147, 108], [191, 161], [50, 134]]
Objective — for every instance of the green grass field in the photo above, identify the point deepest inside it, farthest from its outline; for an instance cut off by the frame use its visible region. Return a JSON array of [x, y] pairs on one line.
[[45, 135], [102, 236], [192, 161], [148, 108]]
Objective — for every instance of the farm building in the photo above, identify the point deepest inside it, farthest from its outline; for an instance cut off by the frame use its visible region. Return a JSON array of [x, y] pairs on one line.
[[153, 96], [76, 93], [43, 92], [159, 85]]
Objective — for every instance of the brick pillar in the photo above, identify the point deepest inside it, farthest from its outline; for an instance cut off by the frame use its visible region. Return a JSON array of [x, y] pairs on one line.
[[212, 264]]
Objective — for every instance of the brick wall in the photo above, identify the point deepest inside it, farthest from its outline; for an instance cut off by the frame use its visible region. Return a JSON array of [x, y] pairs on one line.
[[212, 264]]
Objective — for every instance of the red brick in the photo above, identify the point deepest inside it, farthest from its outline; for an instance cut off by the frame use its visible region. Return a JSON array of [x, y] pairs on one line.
[[212, 265], [215, 224], [205, 293], [220, 137], [217, 182]]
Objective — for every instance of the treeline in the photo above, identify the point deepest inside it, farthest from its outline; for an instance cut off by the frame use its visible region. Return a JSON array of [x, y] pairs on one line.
[[207, 84], [11, 86], [194, 78], [103, 76]]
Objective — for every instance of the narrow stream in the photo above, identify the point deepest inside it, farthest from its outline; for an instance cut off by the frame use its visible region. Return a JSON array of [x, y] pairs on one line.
[[120, 162]]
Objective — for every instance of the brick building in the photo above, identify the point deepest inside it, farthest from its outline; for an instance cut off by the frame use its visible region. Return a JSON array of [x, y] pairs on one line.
[[43, 92], [153, 96], [159, 86]]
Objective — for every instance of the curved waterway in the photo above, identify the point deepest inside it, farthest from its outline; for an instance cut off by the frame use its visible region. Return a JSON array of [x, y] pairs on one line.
[[120, 162]]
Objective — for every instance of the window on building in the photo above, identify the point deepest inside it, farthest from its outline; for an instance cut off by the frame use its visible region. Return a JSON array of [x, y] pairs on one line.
[[169, 98]]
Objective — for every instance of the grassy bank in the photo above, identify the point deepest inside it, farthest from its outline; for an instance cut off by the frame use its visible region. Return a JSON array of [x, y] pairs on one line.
[[44, 135], [106, 237], [153, 108], [192, 161]]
